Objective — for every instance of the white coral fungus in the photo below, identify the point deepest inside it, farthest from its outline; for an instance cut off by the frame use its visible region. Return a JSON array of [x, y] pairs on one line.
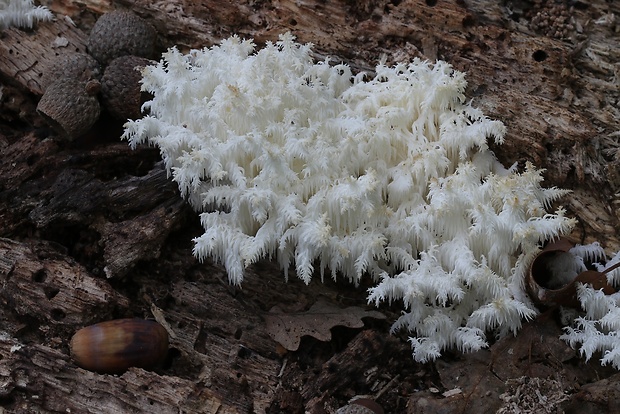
[[392, 177], [22, 13], [597, 330]]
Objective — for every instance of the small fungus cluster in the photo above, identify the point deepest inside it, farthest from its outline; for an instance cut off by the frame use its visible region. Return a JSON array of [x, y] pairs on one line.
[[122, 43]]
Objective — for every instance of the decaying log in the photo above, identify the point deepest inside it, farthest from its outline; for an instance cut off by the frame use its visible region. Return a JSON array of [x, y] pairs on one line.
[[40, 282], [557, 95], [92, 230], [41, 376], [50, 292]]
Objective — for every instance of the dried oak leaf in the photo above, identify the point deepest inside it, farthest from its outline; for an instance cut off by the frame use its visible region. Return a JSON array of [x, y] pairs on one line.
[[288, 328]]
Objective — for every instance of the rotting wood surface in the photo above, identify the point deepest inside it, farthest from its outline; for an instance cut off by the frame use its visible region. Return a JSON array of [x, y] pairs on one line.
[[93, 230]]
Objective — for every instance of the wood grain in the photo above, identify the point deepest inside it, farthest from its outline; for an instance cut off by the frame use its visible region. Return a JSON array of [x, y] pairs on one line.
[[93, 230]]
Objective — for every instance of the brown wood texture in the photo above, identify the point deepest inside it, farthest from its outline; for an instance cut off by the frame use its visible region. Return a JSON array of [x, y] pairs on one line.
[[92, 230], [26, 54]]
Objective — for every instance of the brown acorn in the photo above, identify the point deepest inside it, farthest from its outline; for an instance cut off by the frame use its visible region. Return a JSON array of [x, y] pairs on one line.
[[114, 346]]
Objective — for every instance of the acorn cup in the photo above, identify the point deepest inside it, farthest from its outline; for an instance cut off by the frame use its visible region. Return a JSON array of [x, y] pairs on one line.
[[72, 65], [120, 87], [539, 277], [71, 82], [119, 33], [71, 106], [114, 346]]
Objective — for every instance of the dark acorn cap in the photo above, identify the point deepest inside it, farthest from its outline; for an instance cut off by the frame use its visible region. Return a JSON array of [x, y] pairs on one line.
[[75, 65], [120, 87], [70, 106], [119, 33]]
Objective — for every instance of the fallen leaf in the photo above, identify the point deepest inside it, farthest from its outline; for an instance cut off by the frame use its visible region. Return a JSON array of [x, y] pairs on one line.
[[288, 328]]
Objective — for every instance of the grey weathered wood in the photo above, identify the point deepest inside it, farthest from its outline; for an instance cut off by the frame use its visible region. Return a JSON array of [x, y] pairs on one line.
[[25, 54], [558, 97]]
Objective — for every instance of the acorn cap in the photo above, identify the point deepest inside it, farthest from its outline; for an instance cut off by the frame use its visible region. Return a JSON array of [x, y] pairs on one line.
[[119, 33], [76, 65], [120, 87], [70, 106]]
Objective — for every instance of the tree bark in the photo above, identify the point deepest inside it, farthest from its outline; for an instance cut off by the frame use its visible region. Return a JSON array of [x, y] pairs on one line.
[[92, 230]]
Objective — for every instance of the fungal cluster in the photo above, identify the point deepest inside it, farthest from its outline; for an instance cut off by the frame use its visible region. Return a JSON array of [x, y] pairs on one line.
[[76, 83], [387, 176]]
